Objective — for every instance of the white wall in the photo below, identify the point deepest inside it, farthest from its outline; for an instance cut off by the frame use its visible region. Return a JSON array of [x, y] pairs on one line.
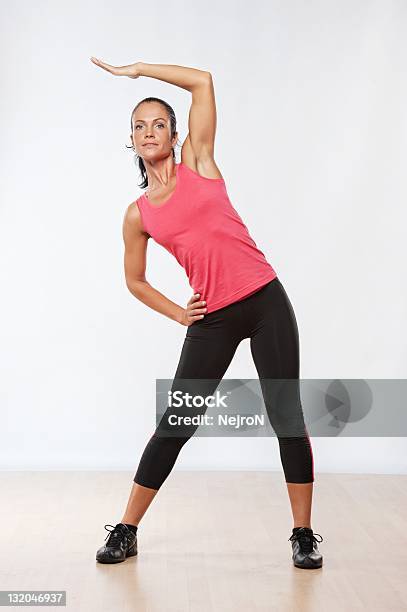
[[320, 88]]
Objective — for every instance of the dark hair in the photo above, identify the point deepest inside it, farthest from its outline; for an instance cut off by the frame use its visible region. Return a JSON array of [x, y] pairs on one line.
[[173, 123]]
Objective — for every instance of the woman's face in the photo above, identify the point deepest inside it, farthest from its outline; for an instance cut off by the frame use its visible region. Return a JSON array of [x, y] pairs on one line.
[[151, 135]]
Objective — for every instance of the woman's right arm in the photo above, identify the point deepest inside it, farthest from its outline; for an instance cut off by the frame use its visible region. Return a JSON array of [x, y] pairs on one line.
[[135, 256]]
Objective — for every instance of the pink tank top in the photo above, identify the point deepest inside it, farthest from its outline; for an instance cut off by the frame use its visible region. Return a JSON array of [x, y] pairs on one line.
[[200, 227]]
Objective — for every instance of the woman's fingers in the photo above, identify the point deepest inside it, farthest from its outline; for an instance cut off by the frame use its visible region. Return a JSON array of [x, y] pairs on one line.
[[193, 299], [130, 71], [108, 67], [196, 308]]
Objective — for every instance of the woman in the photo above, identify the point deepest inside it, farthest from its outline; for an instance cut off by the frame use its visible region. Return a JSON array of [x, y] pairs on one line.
[[237, 295]]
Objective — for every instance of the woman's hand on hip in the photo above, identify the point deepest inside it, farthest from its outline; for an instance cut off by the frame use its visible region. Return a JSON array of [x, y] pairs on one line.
[[132, 70], [194, 311]]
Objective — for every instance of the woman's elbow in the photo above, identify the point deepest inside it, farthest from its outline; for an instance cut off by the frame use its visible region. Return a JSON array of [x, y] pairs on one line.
[[135, 285]]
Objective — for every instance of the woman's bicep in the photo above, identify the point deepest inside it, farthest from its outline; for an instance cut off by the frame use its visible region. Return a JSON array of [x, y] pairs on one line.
[[202, 118]]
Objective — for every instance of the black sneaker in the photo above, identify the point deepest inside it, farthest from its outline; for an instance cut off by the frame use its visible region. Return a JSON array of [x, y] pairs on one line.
[[305, 550], [122, 543]]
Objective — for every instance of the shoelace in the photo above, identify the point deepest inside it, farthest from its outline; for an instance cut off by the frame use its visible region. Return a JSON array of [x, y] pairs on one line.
[[306, 539], [115, 535]]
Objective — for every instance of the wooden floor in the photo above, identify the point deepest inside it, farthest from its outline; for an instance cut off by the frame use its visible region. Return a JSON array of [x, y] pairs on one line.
[[210, 541]]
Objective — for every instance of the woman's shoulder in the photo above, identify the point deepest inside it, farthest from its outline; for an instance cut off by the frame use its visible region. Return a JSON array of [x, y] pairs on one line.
[[133, 210]]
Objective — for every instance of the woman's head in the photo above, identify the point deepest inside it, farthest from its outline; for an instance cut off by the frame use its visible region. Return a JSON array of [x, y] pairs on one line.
[[153, 121]]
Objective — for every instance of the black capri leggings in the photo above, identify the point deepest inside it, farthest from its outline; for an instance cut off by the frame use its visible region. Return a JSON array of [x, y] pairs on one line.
[[267, 318]]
